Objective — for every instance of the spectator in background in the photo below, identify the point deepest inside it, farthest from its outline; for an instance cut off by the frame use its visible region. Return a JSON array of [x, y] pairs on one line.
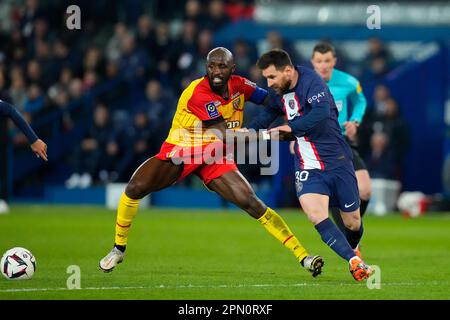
[[93, 61], [377, 49], [114, 99], [34, 72], [88, 154], [163, 51], [145, 33], [386, 119], [184, 53], [193, 12], [65, 58], [244, 57], [380, 161], [48, 65], [216, 16], [204, 45], [275, 40], [397, 131], [35, 99], [239, 9], [17, 90], [256, 76], [378, 61], [159, 105], [144, 138], [381, 94], [113, 47], [134, 63], [115, 158]]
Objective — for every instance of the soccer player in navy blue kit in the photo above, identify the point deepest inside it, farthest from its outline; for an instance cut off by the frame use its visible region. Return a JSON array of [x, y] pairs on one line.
[[324, 173], [345, 88]]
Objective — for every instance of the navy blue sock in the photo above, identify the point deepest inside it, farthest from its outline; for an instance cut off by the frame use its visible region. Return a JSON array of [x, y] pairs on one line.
[[334, 238]]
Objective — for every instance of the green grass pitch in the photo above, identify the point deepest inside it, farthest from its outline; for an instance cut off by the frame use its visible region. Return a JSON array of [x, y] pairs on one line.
[[207, 254]]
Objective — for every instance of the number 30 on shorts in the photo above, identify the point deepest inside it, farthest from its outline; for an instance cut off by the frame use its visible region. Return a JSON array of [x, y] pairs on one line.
[[301, 175]]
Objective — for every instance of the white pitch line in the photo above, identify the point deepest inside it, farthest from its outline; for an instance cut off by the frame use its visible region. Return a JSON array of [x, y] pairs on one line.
[[214, 286]]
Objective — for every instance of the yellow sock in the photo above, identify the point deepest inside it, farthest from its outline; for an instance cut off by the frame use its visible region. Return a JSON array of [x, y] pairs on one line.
[[126, 211], [279, 229]]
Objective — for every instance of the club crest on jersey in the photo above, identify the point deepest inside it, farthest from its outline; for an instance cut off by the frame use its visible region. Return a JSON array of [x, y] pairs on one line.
[[292, 104], [212, 110], [236, 104]]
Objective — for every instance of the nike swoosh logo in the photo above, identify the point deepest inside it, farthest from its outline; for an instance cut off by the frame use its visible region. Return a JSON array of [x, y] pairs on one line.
[[349, 205], [292, 115]]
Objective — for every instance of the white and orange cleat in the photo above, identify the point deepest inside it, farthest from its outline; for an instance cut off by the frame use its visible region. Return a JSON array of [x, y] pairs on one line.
[[359, 269]]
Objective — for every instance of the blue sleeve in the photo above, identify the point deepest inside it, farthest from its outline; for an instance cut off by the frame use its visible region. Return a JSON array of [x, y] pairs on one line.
[[258, 95], [318, 97], [359, 104], [7, 110], [268, 115]]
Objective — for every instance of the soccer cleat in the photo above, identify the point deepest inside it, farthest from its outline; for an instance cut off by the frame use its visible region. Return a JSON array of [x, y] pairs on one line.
[[114, 257], [313, 264], [357, 251], [359, 269]]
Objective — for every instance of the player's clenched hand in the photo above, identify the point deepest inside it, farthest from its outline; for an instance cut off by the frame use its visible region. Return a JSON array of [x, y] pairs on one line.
[[350, 130], [40, 149]]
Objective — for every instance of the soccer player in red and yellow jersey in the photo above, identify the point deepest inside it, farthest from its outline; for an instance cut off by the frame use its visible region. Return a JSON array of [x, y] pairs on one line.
[[215, 101]]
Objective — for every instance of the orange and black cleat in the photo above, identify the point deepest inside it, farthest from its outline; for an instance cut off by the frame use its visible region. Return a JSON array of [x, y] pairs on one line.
[[359, 269]]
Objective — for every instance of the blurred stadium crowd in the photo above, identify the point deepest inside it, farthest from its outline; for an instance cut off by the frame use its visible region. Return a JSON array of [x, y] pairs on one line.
[[149, 51]]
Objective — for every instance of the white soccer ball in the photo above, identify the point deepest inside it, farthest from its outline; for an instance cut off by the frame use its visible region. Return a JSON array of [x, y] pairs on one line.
[[18, 264]]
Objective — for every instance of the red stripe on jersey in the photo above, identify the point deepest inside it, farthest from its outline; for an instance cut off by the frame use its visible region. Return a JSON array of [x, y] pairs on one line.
[[302, 163], [313, 146], [298, 103], [283, 102]]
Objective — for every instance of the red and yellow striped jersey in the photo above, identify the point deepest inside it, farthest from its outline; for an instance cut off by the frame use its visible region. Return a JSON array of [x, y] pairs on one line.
[[198, 102]]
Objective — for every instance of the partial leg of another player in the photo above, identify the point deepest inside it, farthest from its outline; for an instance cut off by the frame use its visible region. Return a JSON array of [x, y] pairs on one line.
[[233, 187], [316, 208], [153, 175], [365, 191]]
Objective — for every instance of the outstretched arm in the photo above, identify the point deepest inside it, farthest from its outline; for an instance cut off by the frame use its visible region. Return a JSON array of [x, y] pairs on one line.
[[37, 145]]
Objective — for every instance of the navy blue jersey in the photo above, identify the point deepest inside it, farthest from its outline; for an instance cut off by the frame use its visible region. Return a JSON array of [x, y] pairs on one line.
[[312, 114]]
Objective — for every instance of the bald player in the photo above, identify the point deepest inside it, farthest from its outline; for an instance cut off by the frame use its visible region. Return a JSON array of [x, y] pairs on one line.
[[215, 101]]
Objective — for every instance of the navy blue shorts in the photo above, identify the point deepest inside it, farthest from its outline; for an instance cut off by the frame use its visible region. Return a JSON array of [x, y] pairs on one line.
[[339, 184]]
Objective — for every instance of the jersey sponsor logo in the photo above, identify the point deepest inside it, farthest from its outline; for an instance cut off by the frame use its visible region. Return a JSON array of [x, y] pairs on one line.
[[316, 97], [237, 94], [212, 110], [233, 124], [250, 83]]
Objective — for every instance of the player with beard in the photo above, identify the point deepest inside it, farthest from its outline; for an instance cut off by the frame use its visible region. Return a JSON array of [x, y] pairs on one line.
[[324, 173], [215, 101]]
